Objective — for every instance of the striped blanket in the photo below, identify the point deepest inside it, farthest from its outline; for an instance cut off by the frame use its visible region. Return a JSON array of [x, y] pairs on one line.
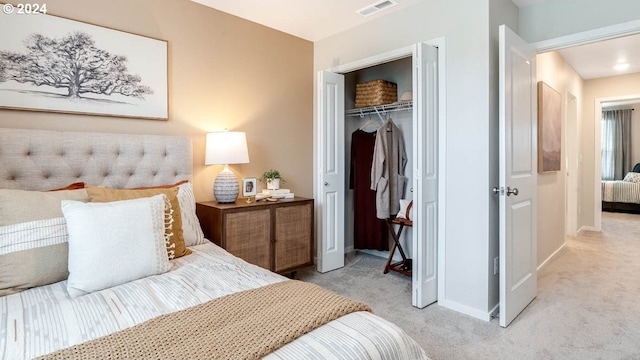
[[621, 191]]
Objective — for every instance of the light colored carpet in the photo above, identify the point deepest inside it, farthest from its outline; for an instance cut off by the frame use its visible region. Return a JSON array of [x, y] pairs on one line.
[[588, 303]]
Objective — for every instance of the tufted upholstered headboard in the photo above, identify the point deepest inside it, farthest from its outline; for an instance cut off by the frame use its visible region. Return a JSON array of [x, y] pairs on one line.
[[41, 159]]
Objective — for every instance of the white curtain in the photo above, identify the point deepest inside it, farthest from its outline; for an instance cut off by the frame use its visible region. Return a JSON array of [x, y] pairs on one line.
[[616, 144]]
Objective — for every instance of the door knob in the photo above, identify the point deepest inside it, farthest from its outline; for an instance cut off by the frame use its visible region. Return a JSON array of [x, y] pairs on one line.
[[513, 191], [326, 183]]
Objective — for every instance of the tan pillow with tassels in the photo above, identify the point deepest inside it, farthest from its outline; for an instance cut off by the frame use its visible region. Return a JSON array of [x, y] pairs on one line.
[[176, 247]]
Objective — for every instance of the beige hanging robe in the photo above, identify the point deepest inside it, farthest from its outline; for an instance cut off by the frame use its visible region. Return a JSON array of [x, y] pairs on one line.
[[387, 170]]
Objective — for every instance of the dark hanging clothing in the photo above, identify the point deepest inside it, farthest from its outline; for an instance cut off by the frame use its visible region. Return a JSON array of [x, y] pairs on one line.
[[369, 231]]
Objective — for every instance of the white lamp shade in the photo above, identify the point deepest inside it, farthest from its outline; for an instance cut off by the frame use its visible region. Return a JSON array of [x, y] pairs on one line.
[[226, 147]]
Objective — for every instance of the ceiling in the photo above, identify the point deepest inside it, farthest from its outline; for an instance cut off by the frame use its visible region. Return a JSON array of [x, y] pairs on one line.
[[311, 20], [307, 19], [598, 59]]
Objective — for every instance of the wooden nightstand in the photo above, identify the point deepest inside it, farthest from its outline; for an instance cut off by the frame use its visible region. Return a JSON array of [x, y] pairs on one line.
[[274, 235]]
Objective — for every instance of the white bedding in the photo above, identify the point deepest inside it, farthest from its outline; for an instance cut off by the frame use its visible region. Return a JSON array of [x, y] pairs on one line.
[[44, 319]]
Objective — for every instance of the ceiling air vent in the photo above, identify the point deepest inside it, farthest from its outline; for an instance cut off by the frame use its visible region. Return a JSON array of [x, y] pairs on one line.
[[374, 8]]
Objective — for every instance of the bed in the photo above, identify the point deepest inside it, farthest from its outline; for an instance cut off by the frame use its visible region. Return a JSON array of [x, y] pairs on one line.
[[192, 304], [622, 195]]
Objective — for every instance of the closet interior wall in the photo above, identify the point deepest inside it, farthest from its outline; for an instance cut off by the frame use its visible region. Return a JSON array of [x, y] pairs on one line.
[[399, 72]]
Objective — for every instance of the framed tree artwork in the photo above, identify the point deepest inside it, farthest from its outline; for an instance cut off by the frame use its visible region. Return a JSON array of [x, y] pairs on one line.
[[549, 128], [49, 63]]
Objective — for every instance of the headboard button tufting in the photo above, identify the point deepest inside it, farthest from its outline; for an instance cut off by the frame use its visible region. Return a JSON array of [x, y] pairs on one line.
[[91, 157]]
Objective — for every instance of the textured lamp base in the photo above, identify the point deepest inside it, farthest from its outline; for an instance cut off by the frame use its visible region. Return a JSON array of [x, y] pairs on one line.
[[225, 188]]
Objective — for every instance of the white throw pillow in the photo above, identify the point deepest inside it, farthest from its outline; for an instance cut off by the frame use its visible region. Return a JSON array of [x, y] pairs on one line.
[[191, 229], [632, 177], [115, 242]]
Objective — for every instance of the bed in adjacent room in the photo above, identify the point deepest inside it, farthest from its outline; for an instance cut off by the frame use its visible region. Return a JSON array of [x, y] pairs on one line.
[[622, 195], [114, 261]]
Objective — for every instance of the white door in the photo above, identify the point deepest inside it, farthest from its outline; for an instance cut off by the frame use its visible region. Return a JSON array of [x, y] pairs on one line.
[[518, 175], [330, 181], [425, 155]]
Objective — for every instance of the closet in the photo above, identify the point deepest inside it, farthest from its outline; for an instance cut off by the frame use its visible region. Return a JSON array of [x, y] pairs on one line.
[[363, 231], [413, 68]]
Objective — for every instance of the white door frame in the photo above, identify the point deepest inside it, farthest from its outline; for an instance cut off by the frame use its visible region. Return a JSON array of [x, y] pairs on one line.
[[572, 141], [442, 126], [581, 38], [597, 149]]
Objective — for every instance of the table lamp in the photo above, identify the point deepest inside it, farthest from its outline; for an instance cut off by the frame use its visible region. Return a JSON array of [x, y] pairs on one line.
[[224, 148]]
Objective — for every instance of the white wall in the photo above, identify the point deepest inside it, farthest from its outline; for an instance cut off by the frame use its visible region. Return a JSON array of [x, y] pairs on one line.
[[470, 127], [552, 19], [559, 75]]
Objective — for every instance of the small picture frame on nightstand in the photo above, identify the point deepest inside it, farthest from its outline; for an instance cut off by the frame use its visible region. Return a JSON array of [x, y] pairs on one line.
[[249, 186]]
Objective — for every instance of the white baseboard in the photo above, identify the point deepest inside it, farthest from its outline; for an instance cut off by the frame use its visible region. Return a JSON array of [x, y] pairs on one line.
[[464, 309], [586, 228], [555, 253], [348, 249]]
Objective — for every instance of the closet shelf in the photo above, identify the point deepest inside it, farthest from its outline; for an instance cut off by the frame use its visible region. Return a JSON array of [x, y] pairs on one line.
[[381, 109]]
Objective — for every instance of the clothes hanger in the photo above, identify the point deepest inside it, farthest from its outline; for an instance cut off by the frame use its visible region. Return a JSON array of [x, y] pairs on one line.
[[369, 122]]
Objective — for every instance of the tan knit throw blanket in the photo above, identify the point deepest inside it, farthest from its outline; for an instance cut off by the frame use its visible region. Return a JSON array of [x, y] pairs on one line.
[[245, 325]]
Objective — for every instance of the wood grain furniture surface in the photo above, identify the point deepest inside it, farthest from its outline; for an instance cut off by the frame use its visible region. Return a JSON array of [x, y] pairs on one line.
[[274, 235]]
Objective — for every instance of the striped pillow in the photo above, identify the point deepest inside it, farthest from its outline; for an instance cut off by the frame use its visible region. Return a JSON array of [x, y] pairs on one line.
[[32, 254], [33, 238], [193, 234]]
